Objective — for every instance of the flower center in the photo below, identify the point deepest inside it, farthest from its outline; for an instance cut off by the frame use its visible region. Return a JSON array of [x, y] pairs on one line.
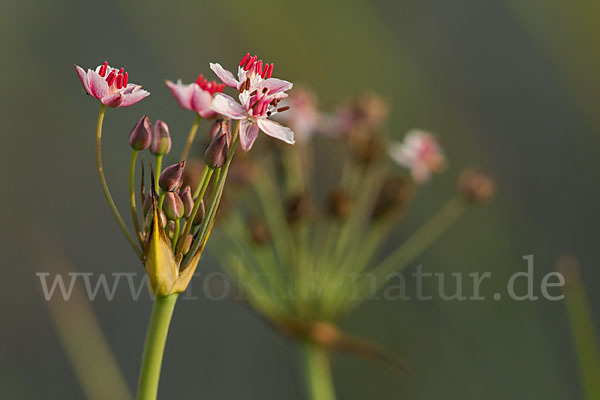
[[116, 79], [210, 86]]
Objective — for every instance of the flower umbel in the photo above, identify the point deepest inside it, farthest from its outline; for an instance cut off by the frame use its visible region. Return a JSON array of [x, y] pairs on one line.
[[110, 85]]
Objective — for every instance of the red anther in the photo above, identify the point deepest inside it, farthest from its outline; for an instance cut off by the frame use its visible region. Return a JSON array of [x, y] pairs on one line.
[[111, 78], [199, 79], [244, 59], [258, 67], [250, 63], [282, 109], [270, 71], [103, 68], [121, 70], [125, 79], [209, 86], [119, 81], [265, 71]]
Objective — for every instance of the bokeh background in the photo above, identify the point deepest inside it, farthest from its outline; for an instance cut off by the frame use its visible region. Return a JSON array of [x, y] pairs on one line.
[[511, 86]]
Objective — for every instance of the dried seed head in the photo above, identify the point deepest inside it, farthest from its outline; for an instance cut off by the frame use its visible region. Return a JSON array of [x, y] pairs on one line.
[[259, 231], [140, 137], [340, 203], [173, 206], [297, 208], [172, 177], [161, 140], [393, 196], [476, 186]]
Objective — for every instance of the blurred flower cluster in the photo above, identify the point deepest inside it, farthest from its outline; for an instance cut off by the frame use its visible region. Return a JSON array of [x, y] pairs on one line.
[[304, 228]]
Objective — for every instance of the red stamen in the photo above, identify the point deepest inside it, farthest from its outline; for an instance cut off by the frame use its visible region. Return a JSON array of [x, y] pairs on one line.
[[121, 70], [250, 63], [199, 79], [111, 78], [258, 67], [270, 71], [244, 59], [103, 68], [119, 81], [125, 79], [265, 71]]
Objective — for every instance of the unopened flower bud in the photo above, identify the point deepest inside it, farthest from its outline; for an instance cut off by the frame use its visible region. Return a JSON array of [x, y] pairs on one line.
[[150, 216], [186, 244], [172, 177], [161, 140], [297, 207], [173, 206], [216, 152], [476, 186], [188, 201], [171, 229], [259, 231], [340, 203], [215, 129], [140, 137], [200, 214]]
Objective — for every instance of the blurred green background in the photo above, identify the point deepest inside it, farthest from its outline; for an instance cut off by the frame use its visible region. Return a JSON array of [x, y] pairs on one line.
[[511, 86]]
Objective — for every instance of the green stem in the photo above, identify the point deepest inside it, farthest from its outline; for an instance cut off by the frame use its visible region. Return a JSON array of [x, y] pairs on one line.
[[318, 372], [190, 138], [176, 234], [156, 337], [159, 159], [104, 185], [134, 215]]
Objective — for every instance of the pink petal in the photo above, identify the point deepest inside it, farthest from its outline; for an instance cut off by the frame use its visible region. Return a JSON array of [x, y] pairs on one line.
[[224, 75], [275, 85], [228, 107], [248, 134], [114, 100], [182, 93], [276, 130], [83, 78], [200, 99], [98, 85], [133, 97]]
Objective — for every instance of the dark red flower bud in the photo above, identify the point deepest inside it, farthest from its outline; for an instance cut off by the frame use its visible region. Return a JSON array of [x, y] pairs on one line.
[[173, 206], [216, 152], [161, 140], [188, 201], [215, 129], [140, 137], [172, 177]]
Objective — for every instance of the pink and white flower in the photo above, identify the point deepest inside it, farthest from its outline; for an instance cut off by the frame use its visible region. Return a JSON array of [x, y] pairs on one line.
[[196, 96], [420, 153], [259, 97], [110, 85], [251, 72]]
